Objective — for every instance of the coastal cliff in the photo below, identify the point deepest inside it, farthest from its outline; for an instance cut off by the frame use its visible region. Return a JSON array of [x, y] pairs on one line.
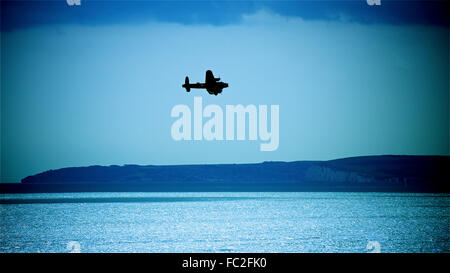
[[368, 173]]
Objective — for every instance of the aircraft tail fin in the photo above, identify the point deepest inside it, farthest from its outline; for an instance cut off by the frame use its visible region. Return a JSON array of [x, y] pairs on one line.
[[186, 84]]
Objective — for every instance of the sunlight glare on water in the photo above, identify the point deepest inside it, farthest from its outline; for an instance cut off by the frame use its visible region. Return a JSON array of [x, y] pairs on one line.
[[224, 222]]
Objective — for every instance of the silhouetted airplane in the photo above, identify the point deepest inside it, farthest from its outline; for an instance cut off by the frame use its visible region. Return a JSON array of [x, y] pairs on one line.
[[213, 85]]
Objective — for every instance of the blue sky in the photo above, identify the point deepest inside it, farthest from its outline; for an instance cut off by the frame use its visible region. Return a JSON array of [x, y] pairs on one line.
[[95, 84]]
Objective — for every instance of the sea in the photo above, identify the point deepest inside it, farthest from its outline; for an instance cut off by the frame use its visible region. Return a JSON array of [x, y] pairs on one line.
[[306, 222]]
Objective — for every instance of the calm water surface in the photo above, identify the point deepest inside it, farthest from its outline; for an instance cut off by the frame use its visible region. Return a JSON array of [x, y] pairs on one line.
[[224, 222]]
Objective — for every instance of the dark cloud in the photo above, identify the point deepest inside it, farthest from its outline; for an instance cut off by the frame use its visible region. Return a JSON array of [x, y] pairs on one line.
[[23, 14]]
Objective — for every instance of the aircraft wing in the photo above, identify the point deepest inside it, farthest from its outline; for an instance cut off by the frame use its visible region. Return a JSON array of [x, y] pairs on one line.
[[209, 77]]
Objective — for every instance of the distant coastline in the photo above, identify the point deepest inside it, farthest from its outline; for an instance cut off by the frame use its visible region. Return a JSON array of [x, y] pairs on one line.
[[386, 173]]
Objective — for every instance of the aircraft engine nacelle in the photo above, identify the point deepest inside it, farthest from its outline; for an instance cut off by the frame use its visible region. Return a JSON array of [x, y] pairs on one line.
[[217, 79]]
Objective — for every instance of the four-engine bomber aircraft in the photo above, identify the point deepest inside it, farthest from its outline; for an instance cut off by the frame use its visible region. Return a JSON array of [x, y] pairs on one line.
[[213, 85]]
